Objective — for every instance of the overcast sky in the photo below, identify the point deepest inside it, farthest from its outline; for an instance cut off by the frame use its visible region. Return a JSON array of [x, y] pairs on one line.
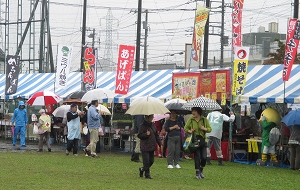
[[169, 30]]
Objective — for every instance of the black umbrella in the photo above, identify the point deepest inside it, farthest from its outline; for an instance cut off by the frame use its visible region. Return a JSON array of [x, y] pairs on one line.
[[76, 95], [176, 105]]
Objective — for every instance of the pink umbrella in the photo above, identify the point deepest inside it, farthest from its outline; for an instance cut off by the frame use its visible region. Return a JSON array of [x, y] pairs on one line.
[[158, 117], [44, 98]]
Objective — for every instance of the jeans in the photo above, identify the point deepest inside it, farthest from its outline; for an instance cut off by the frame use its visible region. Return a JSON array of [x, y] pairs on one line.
[[200, 157], [73, 144], [47, 137], [148, 159], [295, 156], [22, 130], [94, 138], [173, 150]]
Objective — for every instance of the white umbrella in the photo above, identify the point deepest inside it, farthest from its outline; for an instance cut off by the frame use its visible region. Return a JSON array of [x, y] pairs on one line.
[[146, 99], [61, 111], [103, 110], [98, 94], [147, 108], [202, 102]]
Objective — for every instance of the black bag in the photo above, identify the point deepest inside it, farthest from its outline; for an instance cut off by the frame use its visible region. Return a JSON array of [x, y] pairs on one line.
[[200, 140]]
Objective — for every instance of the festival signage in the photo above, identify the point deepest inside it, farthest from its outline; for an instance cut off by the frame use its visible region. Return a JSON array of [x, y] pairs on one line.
[[64, 56], [185, 85], [124, 69], [240, 67], [211, 84], [90, 69], [237, 23], [291, 46], [202, 14], [12, 74]]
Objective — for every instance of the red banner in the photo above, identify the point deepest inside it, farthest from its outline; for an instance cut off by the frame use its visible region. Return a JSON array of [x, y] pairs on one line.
[[90, 69], [291, 46], [237, 23], [125, 63]]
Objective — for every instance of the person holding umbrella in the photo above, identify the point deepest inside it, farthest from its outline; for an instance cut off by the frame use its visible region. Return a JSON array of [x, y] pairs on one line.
[[149, 137], [199, 125]]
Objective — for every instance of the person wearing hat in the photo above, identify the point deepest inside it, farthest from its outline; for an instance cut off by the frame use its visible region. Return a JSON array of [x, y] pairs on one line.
[[94, 119], [19, 121], [73, 123], [44, 126], [216, 119]]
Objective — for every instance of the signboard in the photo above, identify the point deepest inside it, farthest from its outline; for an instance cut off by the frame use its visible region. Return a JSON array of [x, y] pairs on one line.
[[124, 69], [210, 84], [90, 69], [64, 56], [12, 74]]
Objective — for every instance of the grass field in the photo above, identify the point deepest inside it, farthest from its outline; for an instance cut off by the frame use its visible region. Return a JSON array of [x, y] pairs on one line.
[[55, 170]]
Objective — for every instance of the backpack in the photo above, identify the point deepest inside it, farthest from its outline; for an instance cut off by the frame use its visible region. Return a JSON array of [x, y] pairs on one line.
[[274, 136]]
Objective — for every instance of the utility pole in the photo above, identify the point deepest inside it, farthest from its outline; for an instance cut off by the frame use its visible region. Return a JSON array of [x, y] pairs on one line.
[[296, 8], [138, 37], [206, 36], [93, 42], [222, 35], [145, 26], [83, 38]]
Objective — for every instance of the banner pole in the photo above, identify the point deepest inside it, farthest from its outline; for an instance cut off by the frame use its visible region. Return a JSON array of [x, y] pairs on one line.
[[194, 33]]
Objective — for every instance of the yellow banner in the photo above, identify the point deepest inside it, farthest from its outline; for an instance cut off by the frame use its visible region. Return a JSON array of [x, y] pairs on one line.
[[207, 95], [202, 14], [214, 96], [223, 99], [240, 69]]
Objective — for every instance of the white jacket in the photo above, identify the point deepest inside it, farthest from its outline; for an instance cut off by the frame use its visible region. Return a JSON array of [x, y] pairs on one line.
[[216, 120]]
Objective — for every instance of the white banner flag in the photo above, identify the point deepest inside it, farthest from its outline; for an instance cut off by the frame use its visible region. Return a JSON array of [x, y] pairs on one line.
[[64, 56]]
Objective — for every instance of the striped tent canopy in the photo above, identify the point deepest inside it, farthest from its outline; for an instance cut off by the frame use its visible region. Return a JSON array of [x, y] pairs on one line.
[[264, 85]]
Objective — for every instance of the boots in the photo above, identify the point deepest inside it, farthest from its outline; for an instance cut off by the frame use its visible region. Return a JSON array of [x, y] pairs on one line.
[[220, 162], [147, 174], [135, 157], [208, 161], [141, 171], [198, 175], [132, 156]]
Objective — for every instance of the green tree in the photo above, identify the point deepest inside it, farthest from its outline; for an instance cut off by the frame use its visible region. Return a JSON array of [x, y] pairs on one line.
[[278, 56]]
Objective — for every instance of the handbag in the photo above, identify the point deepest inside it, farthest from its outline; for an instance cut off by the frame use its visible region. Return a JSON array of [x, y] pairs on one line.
[[35, 129]]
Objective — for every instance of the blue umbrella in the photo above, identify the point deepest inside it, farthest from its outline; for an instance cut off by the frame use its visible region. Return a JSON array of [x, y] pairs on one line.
[[292, 118]]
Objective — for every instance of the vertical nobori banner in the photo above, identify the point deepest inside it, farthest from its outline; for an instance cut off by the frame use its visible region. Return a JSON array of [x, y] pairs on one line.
[[12, 74], [291, 46], [124, 69], [90, 68], [202, 14], [240, 67], [64, 56], [237, 23]]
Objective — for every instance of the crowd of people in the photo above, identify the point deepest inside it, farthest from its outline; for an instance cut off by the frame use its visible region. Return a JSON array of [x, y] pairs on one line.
[[166, 135]]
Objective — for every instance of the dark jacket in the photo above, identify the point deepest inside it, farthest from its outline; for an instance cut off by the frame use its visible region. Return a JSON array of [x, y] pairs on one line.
[[170, 123], [148, 143]]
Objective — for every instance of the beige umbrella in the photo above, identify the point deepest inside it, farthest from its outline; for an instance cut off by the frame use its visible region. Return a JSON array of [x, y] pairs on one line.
[[147, 108], [103, 110]]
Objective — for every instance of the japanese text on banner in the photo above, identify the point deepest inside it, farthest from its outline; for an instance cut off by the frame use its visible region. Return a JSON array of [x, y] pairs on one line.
[[64, 56], [291, 46], [90, 69], [12, 74], [237, 23], [124, 69], [240, 68]]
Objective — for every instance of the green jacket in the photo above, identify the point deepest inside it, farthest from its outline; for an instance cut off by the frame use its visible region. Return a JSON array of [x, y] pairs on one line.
[[266, 126], [193, 124]]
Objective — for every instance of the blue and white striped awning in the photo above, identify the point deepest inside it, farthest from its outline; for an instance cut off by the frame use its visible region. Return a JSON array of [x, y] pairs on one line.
[[264, 85]]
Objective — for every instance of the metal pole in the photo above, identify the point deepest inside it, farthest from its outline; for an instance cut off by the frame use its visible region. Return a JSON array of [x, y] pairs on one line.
[[42, 45], [296, 8], [138, 37], [206, 36], [83, 38], [145, 41], [93, 42], [222, 36], [50, 51]]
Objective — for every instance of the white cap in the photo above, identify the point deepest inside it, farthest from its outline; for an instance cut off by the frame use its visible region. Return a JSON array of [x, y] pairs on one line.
[[42, 111]]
